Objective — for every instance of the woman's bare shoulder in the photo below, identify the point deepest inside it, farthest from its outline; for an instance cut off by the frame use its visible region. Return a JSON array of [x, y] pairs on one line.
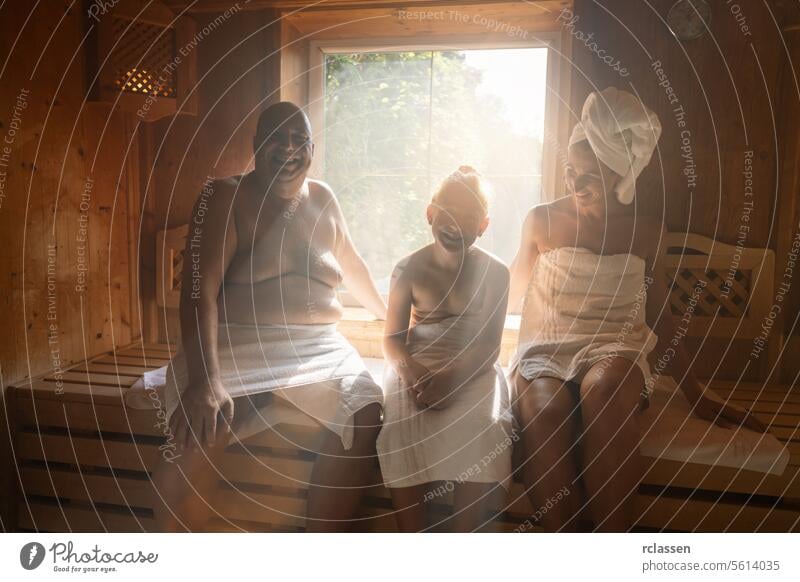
[[545, 219], [493, 263], [413, 263]]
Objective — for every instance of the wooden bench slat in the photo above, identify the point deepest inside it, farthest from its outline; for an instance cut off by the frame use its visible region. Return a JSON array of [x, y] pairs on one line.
[[92, 488], [759, 396], [42, 389], [85, 416], [158, 346], [275, 509], [97, 368], [68, 518], [149, 364], [144, 353], [86, 451], [667, 512], [664, 473], [94, 379]]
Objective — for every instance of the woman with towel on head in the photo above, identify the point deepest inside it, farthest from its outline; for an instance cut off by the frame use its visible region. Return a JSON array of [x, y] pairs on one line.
[[589, 271]]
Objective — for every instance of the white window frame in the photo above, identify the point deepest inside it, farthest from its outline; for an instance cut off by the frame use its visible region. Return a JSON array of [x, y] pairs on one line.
[[552, 183]]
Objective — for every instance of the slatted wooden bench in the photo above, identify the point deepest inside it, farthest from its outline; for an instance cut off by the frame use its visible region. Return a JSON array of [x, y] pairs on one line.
[[85, 463], [85, 460]]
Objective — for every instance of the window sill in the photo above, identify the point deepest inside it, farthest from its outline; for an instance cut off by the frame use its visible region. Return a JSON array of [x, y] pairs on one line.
[[365, 332]]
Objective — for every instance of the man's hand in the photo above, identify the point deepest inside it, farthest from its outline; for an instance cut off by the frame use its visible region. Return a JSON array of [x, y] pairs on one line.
[[205, 414]]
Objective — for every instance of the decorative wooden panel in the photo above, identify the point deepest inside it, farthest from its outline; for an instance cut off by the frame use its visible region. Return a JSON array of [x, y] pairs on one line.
[[147, 59], [730, 289], [141, 59]]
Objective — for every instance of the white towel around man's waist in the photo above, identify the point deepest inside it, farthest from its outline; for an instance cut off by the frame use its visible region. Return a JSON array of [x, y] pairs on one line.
[[470, 439], [581, 307], [311, 366]]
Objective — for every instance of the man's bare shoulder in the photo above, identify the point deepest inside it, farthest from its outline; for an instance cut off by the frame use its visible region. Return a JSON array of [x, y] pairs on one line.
[[223, 190], [322, 197], [228, 183], [320, 191]]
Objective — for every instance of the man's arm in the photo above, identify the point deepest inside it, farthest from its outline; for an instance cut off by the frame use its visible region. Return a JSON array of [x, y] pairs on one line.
[[522, 265], [398, 317], [210, 247], [355, 273]]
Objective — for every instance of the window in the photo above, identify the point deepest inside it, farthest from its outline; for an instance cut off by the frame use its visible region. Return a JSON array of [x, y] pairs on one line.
[[391, 123]]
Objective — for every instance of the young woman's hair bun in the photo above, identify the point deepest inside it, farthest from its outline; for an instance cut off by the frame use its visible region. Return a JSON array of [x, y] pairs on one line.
[[467, 181]]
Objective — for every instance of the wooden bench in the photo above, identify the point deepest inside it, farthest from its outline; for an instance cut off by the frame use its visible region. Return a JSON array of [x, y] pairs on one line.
[[85, 460], [85, 463]]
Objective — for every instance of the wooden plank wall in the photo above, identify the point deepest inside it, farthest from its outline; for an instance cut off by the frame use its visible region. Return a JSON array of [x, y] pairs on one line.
[[69, 172], [237, 77], [789, 185], [730, 85]]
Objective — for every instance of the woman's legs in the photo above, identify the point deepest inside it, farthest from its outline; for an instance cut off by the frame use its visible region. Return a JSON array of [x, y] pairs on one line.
[[471, 502], [410, 507], [544, 409], [610, 394], [340, 477]]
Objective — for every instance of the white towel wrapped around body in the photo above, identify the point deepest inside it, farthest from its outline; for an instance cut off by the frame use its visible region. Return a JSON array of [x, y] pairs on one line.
[[670, 431], [470, 440], [312, 367], [581, 308]]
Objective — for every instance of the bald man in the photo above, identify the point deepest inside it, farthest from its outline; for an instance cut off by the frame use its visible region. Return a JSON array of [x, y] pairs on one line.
[[266, 253]]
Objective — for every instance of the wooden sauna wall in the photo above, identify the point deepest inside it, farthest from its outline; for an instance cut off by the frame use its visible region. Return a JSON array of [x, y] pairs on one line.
[[238, 77], [69, 172], [732, 88], [789, 187]]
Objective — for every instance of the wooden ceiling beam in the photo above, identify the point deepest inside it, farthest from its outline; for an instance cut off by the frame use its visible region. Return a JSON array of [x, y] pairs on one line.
[[314, 5]]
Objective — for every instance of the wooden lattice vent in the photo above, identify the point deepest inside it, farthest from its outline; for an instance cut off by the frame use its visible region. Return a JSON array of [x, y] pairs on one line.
[[709, 291], [727, 290], [151, 49], [144, 64]]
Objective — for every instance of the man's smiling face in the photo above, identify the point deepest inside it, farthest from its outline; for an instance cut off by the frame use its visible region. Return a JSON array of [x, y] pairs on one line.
[[283, 148]]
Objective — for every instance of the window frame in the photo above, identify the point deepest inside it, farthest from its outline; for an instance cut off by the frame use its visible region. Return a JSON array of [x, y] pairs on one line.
[[555, 107]]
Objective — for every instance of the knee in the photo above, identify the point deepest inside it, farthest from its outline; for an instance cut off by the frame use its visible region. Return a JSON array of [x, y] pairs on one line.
[[612, 393], [543, 402], [366, 426]]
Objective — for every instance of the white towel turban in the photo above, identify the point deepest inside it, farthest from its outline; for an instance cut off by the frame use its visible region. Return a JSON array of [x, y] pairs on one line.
[[622, 133]]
